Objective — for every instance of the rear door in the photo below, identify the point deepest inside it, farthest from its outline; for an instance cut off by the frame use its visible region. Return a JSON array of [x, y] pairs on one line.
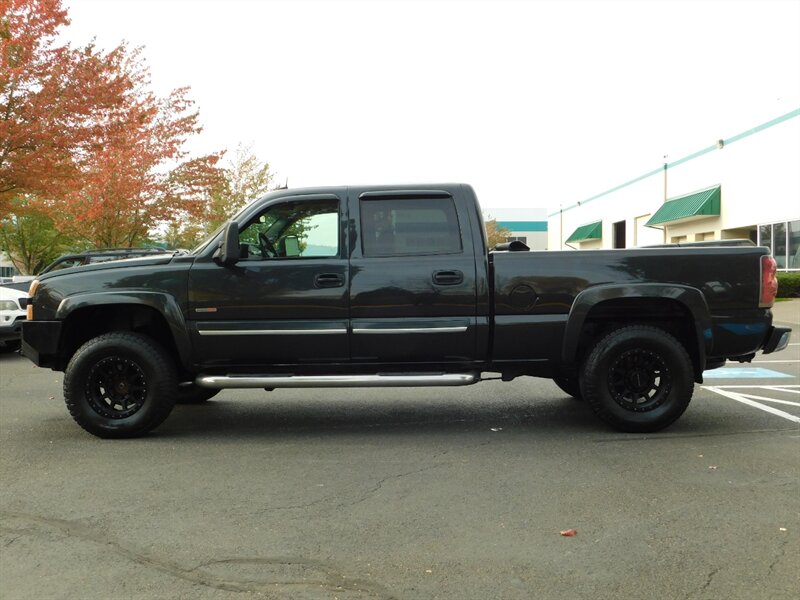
[[412, 277]]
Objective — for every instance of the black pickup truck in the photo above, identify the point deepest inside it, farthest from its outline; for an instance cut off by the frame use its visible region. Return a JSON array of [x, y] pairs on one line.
[[393, 286]]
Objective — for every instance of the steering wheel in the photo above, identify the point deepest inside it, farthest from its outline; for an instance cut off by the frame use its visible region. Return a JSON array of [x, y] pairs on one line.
[[267, 248]]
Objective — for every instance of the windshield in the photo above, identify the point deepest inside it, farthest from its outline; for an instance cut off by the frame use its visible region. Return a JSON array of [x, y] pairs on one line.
[[202, 246]]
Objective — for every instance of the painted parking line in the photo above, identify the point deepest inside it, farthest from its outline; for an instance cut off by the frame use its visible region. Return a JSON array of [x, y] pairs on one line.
[[744, 373], [789, 389], [750, 399]]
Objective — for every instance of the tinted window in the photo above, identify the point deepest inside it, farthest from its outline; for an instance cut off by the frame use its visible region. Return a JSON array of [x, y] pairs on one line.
[[293, 230], [397, 226]]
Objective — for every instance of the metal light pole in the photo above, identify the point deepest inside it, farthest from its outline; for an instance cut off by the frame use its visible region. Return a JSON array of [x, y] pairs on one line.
[[665, 193]]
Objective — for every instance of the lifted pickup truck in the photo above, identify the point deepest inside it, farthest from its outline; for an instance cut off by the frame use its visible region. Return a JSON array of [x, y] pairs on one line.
[[394, 286]]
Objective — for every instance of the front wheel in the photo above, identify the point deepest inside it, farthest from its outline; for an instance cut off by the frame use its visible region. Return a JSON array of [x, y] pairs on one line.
[[638, 379], [120, 385]]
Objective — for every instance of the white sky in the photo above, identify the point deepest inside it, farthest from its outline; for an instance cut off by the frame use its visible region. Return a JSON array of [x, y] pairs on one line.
[[533, 103]]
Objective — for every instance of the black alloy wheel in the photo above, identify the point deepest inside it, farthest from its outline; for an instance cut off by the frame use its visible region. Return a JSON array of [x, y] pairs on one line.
[[116, 387], [638, 378]]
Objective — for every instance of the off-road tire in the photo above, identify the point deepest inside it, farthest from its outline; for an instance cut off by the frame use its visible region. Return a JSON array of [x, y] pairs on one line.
[[120, 385], [638, 379]]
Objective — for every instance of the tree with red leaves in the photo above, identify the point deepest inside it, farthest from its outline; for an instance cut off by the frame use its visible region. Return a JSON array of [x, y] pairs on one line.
[[84, 140]]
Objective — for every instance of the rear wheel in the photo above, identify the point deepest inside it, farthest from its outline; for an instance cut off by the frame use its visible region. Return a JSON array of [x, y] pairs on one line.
[[119, 385], [638, 379]]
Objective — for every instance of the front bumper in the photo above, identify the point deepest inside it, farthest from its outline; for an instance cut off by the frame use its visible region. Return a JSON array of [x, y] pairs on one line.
[[777, 339], [11, 330], [40, 340]]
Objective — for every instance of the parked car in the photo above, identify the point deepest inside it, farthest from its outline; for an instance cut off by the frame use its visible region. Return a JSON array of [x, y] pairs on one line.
[[12, 314], [394, 286]]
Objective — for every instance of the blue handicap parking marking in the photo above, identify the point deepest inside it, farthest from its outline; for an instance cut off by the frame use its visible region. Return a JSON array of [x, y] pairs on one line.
[[744, 373]]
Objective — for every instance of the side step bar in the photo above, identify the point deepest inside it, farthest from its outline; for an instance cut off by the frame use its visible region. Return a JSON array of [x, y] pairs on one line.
[[321, 381]]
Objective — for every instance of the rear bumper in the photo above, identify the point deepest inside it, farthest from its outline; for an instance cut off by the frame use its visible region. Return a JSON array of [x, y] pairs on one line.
[[777, 339], [40, 341]]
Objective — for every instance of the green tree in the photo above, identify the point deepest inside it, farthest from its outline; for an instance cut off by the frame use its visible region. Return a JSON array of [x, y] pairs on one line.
[[29, 236], [245, 179], [216, 197], [495, 234]]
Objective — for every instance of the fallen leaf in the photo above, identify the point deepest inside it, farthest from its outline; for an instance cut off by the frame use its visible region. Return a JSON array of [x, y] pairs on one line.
[[569, 532]]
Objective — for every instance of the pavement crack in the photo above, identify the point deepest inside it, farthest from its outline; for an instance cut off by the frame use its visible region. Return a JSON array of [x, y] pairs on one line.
[[321, 575], [781, 555], [709, 579], [706, 585], [371, 492]]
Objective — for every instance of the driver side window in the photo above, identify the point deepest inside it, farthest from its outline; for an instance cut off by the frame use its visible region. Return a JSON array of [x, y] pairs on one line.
[[299, 229]]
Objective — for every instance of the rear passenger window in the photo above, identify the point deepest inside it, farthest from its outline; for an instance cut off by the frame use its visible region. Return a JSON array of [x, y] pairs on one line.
[[396, 226]]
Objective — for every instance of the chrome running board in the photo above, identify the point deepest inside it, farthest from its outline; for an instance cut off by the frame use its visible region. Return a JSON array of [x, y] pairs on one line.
[[321, 381]]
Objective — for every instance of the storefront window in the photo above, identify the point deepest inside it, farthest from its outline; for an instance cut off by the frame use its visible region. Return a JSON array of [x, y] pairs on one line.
[[794, 245], [765, 236], [783, 239], [779, 244]]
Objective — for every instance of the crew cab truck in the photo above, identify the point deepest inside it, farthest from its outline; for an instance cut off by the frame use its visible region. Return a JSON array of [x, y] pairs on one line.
[[393, 286]]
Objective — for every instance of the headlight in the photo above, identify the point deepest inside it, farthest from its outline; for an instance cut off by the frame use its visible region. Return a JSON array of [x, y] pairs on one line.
[[8, 305]]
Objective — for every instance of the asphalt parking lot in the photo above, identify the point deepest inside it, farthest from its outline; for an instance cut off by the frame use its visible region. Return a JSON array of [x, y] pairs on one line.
[[407, 494]]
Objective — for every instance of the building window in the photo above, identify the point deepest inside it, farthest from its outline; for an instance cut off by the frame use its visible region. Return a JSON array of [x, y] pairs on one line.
[[783, 240], [518, 238], [793, 235]]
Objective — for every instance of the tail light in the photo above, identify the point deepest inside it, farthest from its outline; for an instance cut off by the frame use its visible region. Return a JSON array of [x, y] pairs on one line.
[[769, 282]]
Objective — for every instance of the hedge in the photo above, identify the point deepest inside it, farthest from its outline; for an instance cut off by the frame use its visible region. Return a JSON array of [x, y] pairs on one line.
[[788, 285]]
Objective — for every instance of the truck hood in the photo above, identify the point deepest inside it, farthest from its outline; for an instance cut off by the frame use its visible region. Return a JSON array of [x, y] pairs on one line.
[[139, 261]]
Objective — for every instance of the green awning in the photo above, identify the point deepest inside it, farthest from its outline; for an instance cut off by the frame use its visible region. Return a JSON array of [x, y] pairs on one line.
[[705, 203], [584, 233]]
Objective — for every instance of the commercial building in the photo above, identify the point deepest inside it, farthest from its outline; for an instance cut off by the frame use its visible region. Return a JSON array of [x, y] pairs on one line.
[[743, 186], [528, 225]]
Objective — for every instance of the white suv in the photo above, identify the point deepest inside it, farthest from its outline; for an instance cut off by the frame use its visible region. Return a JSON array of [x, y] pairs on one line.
[[11, 317]]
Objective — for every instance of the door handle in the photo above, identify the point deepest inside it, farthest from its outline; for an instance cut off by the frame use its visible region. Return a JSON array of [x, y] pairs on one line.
[[448, 277], [328, 280]]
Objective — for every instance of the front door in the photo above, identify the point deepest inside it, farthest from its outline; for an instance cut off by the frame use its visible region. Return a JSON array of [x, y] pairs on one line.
[[285, 302]]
